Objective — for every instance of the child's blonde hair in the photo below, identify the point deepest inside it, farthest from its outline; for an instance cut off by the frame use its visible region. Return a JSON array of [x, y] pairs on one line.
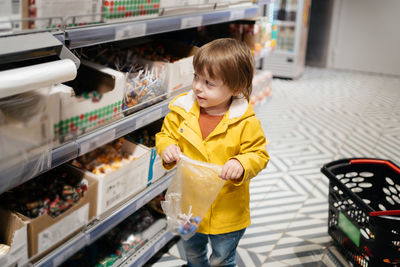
[[229, 60]]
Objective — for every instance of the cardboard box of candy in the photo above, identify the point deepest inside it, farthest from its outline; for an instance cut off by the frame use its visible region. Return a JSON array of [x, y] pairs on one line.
[[176, 59], [47, 14], [121, 169], [54, 205], [143, 85], [93, 99], [129, 10], [13, 240], [146, 137]]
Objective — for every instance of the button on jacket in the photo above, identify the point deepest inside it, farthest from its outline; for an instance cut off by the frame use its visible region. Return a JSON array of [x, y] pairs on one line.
[[238, 135]]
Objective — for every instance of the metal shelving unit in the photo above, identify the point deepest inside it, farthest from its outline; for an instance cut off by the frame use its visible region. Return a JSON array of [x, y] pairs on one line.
[[83, 144], [99, 227], [72, 38], [97, 34], [149, 249]]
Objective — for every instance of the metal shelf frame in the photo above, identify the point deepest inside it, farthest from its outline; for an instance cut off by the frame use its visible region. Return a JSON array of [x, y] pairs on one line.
[[98, 34], [100, 227], [21, 173], [140, 257], [72, 38]]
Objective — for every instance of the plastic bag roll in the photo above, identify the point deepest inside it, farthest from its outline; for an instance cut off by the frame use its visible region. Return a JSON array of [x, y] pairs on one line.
[[25, 79]]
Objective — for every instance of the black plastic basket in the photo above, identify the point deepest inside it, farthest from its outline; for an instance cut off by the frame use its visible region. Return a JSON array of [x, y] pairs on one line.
[[364, 204]]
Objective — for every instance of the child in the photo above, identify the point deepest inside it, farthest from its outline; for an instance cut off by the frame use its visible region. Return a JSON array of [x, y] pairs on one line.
[[215, 123]]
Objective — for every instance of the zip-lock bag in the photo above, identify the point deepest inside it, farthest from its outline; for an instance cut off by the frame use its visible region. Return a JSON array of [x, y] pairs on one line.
[[192, 191]]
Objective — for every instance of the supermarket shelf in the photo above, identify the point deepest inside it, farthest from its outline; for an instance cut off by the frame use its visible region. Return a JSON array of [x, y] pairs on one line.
[[97, 34], [149, 249], [22, 171], [34, 45], [285, 23], [100, 227]]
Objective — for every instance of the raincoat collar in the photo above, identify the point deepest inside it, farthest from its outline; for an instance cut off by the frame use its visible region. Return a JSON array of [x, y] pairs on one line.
[[186, 102]]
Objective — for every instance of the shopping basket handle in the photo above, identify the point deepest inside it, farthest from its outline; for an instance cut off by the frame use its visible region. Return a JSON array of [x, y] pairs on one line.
[[376, 161], [384, 213]]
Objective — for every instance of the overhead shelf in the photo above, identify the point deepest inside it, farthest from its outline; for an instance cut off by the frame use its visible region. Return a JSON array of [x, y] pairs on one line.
[[100, 227], [97, 34], [18, 174]]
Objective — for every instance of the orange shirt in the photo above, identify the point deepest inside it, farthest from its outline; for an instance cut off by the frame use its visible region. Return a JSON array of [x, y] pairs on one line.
[[208, 123]]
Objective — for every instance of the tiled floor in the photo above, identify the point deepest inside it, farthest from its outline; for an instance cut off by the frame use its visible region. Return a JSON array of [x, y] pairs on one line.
[[322, 116]]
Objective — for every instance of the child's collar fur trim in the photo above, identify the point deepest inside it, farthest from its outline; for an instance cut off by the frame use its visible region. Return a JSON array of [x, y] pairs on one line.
[[237, 109]]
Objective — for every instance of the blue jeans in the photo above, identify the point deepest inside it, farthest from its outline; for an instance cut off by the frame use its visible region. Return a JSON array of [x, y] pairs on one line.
[[223, 249]]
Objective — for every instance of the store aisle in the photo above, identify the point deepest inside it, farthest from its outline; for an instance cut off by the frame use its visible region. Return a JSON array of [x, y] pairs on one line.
[[323, 116]]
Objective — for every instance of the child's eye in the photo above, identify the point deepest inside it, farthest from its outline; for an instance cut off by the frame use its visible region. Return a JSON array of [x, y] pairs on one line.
[[195, 76], [209, 83]]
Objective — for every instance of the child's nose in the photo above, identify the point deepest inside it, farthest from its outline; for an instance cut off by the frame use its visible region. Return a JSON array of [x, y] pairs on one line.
[[197, 86]]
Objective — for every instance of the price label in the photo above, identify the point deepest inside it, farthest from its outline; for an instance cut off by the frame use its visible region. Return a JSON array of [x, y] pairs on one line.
[[69, 252], [191, 22], [96, 142], [148, 118], [144, 200], [131, 31], [236, 14]]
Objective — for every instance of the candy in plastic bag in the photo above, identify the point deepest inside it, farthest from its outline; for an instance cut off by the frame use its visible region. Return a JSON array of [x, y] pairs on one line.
[[192, 191]]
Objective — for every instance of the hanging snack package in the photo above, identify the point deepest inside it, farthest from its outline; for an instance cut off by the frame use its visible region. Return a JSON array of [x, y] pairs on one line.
[[192, 191]]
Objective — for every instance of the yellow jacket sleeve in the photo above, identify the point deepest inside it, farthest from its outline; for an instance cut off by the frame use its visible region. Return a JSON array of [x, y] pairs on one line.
[[253, 154], [168, 136]]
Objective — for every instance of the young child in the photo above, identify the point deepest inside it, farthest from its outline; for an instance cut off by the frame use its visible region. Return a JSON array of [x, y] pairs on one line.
[[215, 123]]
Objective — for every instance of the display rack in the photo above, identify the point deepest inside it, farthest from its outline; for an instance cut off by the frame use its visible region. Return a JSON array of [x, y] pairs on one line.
[[72, 38], [83, 144], [99, 227], [81, 37]]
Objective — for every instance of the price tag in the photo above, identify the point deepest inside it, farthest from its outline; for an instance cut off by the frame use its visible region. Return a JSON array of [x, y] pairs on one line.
[[96, 142], [191, 22], [69, 252], [144, 200], [132, 31], [148, 118], [236, 14]]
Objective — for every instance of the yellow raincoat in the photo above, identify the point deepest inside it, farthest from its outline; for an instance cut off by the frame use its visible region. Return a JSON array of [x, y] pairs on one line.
[[238, 135]]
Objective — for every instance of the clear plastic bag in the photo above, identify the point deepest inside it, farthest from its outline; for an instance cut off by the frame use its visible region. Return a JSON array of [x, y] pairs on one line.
[[192, 191]]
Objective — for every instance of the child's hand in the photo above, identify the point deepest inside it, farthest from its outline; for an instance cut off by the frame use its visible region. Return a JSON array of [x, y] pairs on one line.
[[232, 170], [171, 154]]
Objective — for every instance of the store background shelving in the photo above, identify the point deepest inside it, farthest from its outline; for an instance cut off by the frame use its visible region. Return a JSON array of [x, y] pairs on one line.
[[96, 34], [99, 227], [78, 37]]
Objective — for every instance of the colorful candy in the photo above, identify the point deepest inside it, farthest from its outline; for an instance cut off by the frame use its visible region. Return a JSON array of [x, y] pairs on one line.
[[52, 193]]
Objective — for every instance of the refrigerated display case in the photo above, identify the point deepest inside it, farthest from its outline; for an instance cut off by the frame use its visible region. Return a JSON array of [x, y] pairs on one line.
[[290, 25]]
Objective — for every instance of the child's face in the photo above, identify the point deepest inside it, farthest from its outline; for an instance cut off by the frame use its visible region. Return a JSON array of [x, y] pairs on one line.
[[212, 95]]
